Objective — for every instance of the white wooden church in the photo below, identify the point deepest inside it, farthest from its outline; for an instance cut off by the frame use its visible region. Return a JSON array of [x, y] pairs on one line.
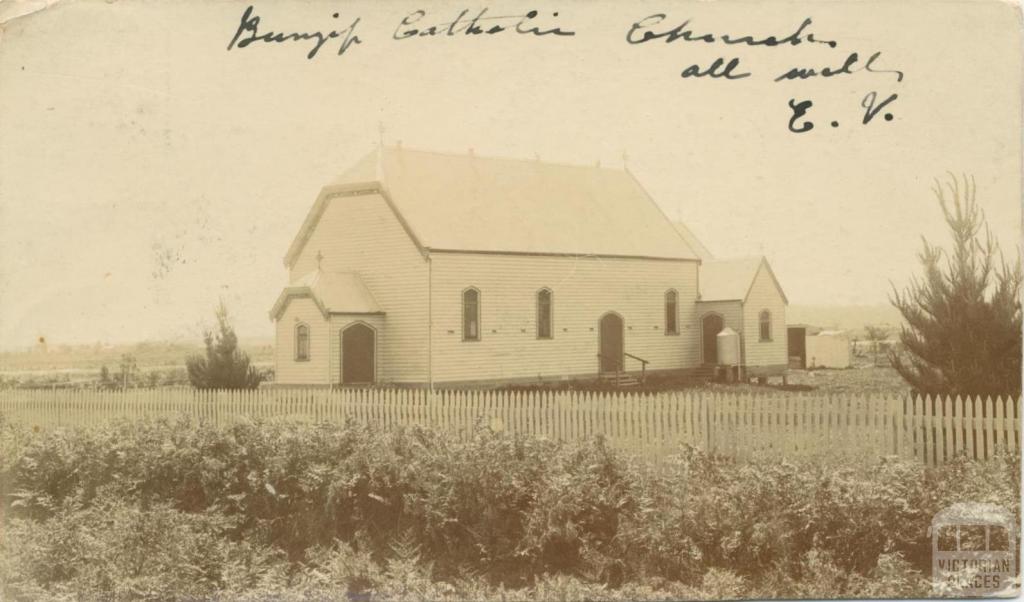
[[423, 268]]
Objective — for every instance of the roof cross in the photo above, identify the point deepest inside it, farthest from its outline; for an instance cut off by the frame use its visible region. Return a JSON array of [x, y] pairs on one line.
[[319, 259]]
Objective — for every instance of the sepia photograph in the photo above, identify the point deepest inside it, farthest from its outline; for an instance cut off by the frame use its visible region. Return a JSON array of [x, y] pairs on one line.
[[309, 300]]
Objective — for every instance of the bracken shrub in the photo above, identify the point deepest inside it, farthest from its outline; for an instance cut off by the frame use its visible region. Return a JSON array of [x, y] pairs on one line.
[[118, 550], [180, 509]]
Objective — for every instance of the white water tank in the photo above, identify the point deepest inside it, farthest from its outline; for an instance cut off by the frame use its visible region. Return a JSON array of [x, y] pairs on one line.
[[728, 347]]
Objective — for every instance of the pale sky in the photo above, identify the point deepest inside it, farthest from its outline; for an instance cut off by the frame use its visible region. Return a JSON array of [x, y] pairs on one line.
[[145, 171]]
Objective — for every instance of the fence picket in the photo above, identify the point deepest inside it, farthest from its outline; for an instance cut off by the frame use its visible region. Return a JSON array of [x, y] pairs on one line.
[[990, 428], [931, 430], [999, 437], [1015, 438], [925, 452]]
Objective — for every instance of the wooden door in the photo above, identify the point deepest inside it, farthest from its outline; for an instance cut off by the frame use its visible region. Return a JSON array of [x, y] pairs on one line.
[[711, 325], [611, 343], [797, 344], [358, 355]]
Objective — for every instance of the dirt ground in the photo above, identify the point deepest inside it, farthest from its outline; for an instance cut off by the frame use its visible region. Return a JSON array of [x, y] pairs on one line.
[[863, 379]]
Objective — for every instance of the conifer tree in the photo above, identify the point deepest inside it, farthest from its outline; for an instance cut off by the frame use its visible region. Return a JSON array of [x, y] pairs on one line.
[[225, 365], [963, 316]]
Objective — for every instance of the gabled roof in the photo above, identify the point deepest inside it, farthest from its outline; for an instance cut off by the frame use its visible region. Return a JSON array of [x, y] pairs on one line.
[[732, 279], [452, 202], [696, 245], [333, 293]]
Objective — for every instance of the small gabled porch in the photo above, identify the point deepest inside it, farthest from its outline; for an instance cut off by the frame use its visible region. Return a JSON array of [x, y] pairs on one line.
[[337, 343]]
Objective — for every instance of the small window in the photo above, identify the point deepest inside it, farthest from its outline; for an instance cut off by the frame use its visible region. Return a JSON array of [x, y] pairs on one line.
[[766, 325], [671, 312], [544, 314], [302, 343], [471, 315]]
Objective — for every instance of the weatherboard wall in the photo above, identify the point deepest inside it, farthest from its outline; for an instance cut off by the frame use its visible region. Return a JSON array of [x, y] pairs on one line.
[[361, 234], [764, 294], [584, 289], [288, 370]]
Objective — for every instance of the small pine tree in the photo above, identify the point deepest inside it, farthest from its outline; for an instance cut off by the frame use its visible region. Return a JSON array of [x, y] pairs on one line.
[[225, 365], [963, 318]]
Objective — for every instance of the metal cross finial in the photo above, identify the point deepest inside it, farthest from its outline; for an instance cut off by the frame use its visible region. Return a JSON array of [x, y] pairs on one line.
[[625, 159], [319, 259]]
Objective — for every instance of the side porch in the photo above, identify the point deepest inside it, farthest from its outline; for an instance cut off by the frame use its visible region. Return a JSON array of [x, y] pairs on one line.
[[330, 331]]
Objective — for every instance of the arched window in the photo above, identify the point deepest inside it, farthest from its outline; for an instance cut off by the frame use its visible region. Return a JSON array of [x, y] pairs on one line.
[[544, 314], [765, 323], [671, 312], [470, 315], [302, 343]]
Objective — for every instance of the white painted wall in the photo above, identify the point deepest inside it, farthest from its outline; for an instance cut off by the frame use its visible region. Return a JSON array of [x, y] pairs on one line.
[[764, 295], [583, 290], [830, 350], [361, 234], [288, 371]]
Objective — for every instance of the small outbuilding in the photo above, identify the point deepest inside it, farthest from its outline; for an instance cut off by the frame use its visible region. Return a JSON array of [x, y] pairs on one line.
[[796, 343], [743, 294], [829, 349]]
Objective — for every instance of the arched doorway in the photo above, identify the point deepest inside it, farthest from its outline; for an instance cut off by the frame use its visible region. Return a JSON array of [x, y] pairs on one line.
[[358, 355], [610, 343], [710, 326]]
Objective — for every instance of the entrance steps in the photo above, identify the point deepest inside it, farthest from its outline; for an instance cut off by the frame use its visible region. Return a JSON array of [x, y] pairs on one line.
[[620, 380], [705, 372]]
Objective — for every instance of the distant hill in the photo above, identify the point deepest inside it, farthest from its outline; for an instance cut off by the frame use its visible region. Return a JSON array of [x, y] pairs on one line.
[[844, 317]]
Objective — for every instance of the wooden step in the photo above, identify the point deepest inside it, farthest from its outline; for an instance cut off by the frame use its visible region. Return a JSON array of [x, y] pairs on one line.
[[620, 380], [704, 373]]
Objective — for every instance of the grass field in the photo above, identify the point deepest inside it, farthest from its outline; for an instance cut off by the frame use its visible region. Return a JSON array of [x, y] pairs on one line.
[[152, 363]]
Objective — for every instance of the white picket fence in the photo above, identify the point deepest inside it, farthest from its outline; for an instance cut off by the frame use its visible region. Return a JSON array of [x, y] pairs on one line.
[[741, 426]]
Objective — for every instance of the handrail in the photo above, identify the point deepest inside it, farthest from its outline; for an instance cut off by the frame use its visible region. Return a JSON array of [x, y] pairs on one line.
[[639, 359]]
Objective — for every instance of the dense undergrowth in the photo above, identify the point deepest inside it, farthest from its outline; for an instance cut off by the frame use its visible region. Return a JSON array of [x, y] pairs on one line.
[[181, 510]]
